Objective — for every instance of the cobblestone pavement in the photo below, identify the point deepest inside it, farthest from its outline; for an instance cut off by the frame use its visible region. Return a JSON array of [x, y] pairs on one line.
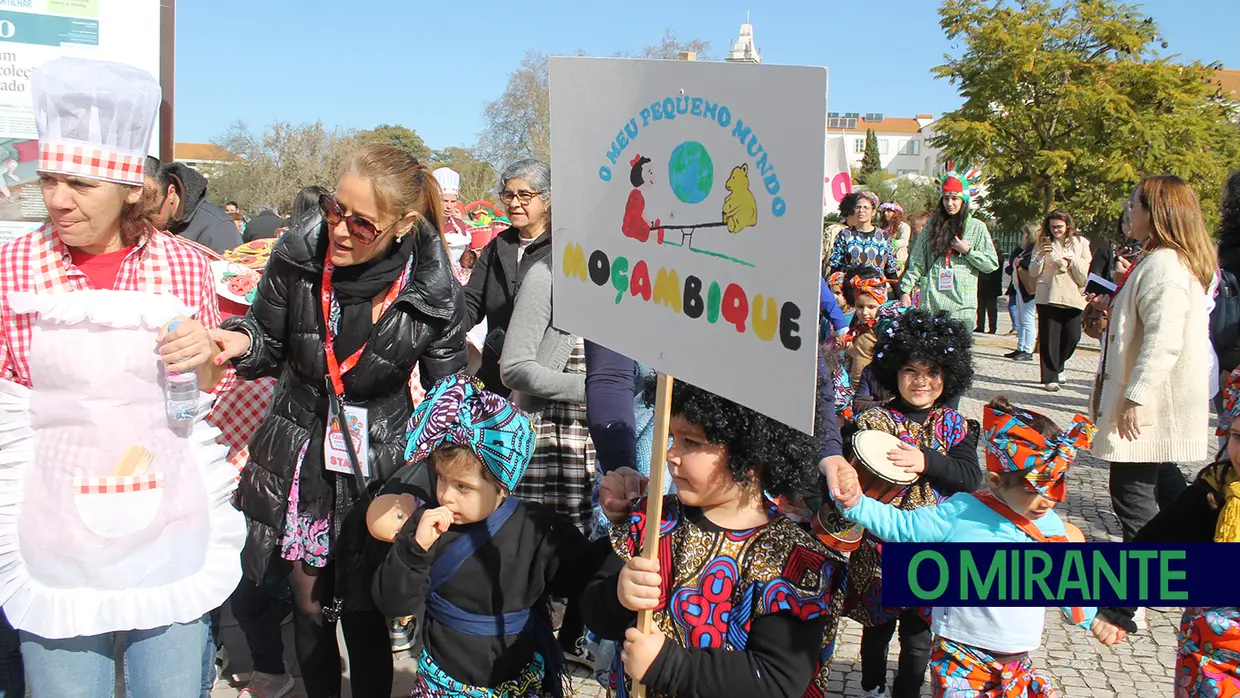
[[1142, 666]]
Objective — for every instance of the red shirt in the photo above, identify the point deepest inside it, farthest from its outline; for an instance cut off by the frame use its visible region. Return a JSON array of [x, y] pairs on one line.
[[100, 269]]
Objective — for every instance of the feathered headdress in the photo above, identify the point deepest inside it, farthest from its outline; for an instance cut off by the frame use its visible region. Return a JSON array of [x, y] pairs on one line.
[[963, 184]]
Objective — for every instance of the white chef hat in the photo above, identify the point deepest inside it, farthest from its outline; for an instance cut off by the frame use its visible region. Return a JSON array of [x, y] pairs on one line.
[[449, 180], [94, 118]]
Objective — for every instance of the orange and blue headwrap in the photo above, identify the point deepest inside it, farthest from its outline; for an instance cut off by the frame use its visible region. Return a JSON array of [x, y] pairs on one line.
[[1013, 445], [875, 288]]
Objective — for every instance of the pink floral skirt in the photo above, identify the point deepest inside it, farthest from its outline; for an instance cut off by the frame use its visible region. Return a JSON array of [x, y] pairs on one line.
[[306, 538]]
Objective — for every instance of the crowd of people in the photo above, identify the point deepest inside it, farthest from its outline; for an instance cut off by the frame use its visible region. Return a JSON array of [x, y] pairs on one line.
[[399, 440]]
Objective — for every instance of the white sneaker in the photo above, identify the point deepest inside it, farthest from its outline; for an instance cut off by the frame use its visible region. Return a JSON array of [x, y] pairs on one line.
[[875, 692], [1139, 619], [1050, 387]]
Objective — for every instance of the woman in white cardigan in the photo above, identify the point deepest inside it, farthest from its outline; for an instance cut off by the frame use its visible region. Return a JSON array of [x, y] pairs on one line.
[[1150, 398]]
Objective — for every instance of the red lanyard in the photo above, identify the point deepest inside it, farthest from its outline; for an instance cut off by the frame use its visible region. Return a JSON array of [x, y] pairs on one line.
[[336, 370], [949, 257]]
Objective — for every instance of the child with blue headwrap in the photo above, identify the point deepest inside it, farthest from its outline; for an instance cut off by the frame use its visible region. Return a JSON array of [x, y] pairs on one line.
[[476, 572]]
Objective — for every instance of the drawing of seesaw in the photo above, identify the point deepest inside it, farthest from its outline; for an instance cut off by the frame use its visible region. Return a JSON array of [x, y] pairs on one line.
[[686, 231]]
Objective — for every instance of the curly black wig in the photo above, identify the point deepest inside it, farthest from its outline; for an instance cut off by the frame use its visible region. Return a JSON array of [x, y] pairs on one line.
[[848, 204], [783, 459], [919, 336], [1229, 225]]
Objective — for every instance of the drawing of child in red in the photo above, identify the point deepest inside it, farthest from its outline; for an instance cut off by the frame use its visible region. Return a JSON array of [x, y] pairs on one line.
[[635, 224]]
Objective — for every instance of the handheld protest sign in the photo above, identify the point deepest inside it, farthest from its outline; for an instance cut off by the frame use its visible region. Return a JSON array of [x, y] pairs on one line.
[[687, 231], [688, 219]]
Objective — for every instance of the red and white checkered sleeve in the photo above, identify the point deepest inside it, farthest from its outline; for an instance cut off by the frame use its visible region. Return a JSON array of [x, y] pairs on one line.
[[209, 316], [14, 273]]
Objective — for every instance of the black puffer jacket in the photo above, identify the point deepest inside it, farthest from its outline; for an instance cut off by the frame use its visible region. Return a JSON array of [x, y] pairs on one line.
[[424, 326]]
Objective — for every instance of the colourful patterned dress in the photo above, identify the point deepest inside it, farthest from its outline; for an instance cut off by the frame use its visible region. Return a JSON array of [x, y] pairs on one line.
[[721, 580], [1208, 665], [943, 429], [873, 249], [961, 671]]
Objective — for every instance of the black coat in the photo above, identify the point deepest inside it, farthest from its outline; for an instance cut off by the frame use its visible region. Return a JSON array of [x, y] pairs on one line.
[[492, 294], [424, 326]]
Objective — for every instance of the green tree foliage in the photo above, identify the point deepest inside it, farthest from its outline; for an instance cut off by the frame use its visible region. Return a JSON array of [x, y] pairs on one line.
[[277, 164], [518, 124], [1067, 104], [914, 194], [478, 178], [401, 137], [870, 161]]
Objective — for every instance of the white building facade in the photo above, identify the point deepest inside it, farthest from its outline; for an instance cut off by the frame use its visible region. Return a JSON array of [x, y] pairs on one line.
[[903, 144]]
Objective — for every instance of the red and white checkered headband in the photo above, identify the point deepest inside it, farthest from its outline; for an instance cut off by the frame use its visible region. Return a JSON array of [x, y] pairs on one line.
[[90, 161]]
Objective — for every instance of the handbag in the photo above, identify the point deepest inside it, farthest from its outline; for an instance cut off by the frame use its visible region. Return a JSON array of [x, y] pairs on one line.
[[1093, 321]]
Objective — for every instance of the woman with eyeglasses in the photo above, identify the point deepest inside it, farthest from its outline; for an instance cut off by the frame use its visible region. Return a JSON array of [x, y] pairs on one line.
[[525, 192], [351, 301]]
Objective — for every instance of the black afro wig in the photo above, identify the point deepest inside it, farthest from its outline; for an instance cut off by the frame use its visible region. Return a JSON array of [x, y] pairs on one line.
[[784, 460], [919, 336]]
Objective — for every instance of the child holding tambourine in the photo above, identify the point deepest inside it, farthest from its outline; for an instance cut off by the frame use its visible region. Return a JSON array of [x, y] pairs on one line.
[[925, 361], [985, 651]]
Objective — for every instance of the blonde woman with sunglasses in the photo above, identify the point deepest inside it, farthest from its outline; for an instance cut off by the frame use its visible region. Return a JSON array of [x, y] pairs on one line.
[[353, 299]]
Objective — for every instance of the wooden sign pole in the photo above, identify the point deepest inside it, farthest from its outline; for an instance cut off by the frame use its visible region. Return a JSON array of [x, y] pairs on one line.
[[654, 495], [658, 477]]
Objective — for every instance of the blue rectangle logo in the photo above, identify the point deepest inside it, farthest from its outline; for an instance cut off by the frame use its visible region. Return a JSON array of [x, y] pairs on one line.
[[48, 30], [1061, 574]]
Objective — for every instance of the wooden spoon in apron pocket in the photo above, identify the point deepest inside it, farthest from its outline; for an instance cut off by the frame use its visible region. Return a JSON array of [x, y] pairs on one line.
[[136, 461]]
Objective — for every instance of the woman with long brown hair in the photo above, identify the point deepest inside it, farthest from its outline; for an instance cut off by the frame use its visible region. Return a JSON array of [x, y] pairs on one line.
[[352, 300], [1061, 264], [1150, 399], [952, 252]]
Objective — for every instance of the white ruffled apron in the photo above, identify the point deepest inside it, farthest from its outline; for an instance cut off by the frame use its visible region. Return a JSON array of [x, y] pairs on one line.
[[82, 551]]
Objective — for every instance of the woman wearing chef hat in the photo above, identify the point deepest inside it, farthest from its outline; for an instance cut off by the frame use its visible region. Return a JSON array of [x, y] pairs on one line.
[[110, 519]]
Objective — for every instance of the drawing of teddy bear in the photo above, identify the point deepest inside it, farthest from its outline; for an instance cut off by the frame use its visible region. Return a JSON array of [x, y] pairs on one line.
[[740, 209]]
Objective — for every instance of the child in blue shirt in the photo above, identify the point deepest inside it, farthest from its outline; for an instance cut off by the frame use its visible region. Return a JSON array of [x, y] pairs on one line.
[[985, 651]]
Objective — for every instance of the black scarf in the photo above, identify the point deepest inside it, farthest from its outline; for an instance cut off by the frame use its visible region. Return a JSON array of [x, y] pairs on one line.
[[356, 287]]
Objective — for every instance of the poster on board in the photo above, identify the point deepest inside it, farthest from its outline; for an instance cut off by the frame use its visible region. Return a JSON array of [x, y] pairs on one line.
[[686, 231], [33, 32], [838, 181]]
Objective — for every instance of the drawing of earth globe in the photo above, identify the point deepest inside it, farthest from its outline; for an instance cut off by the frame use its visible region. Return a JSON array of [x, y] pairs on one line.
[[691, 172]]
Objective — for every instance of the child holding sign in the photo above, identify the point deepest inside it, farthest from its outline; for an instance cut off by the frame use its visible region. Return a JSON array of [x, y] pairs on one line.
[[477, 571], [985, 651], [923, 359], [745, 602]]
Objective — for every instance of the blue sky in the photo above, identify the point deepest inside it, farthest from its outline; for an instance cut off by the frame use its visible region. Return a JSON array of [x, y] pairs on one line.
[[433, 66]]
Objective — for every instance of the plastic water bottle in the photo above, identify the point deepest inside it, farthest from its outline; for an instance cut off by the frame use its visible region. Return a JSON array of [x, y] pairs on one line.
[[180, 392]]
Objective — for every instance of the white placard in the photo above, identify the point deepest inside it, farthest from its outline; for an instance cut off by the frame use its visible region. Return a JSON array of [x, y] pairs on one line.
[[838, 181], [687, 221], [33, 32]]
